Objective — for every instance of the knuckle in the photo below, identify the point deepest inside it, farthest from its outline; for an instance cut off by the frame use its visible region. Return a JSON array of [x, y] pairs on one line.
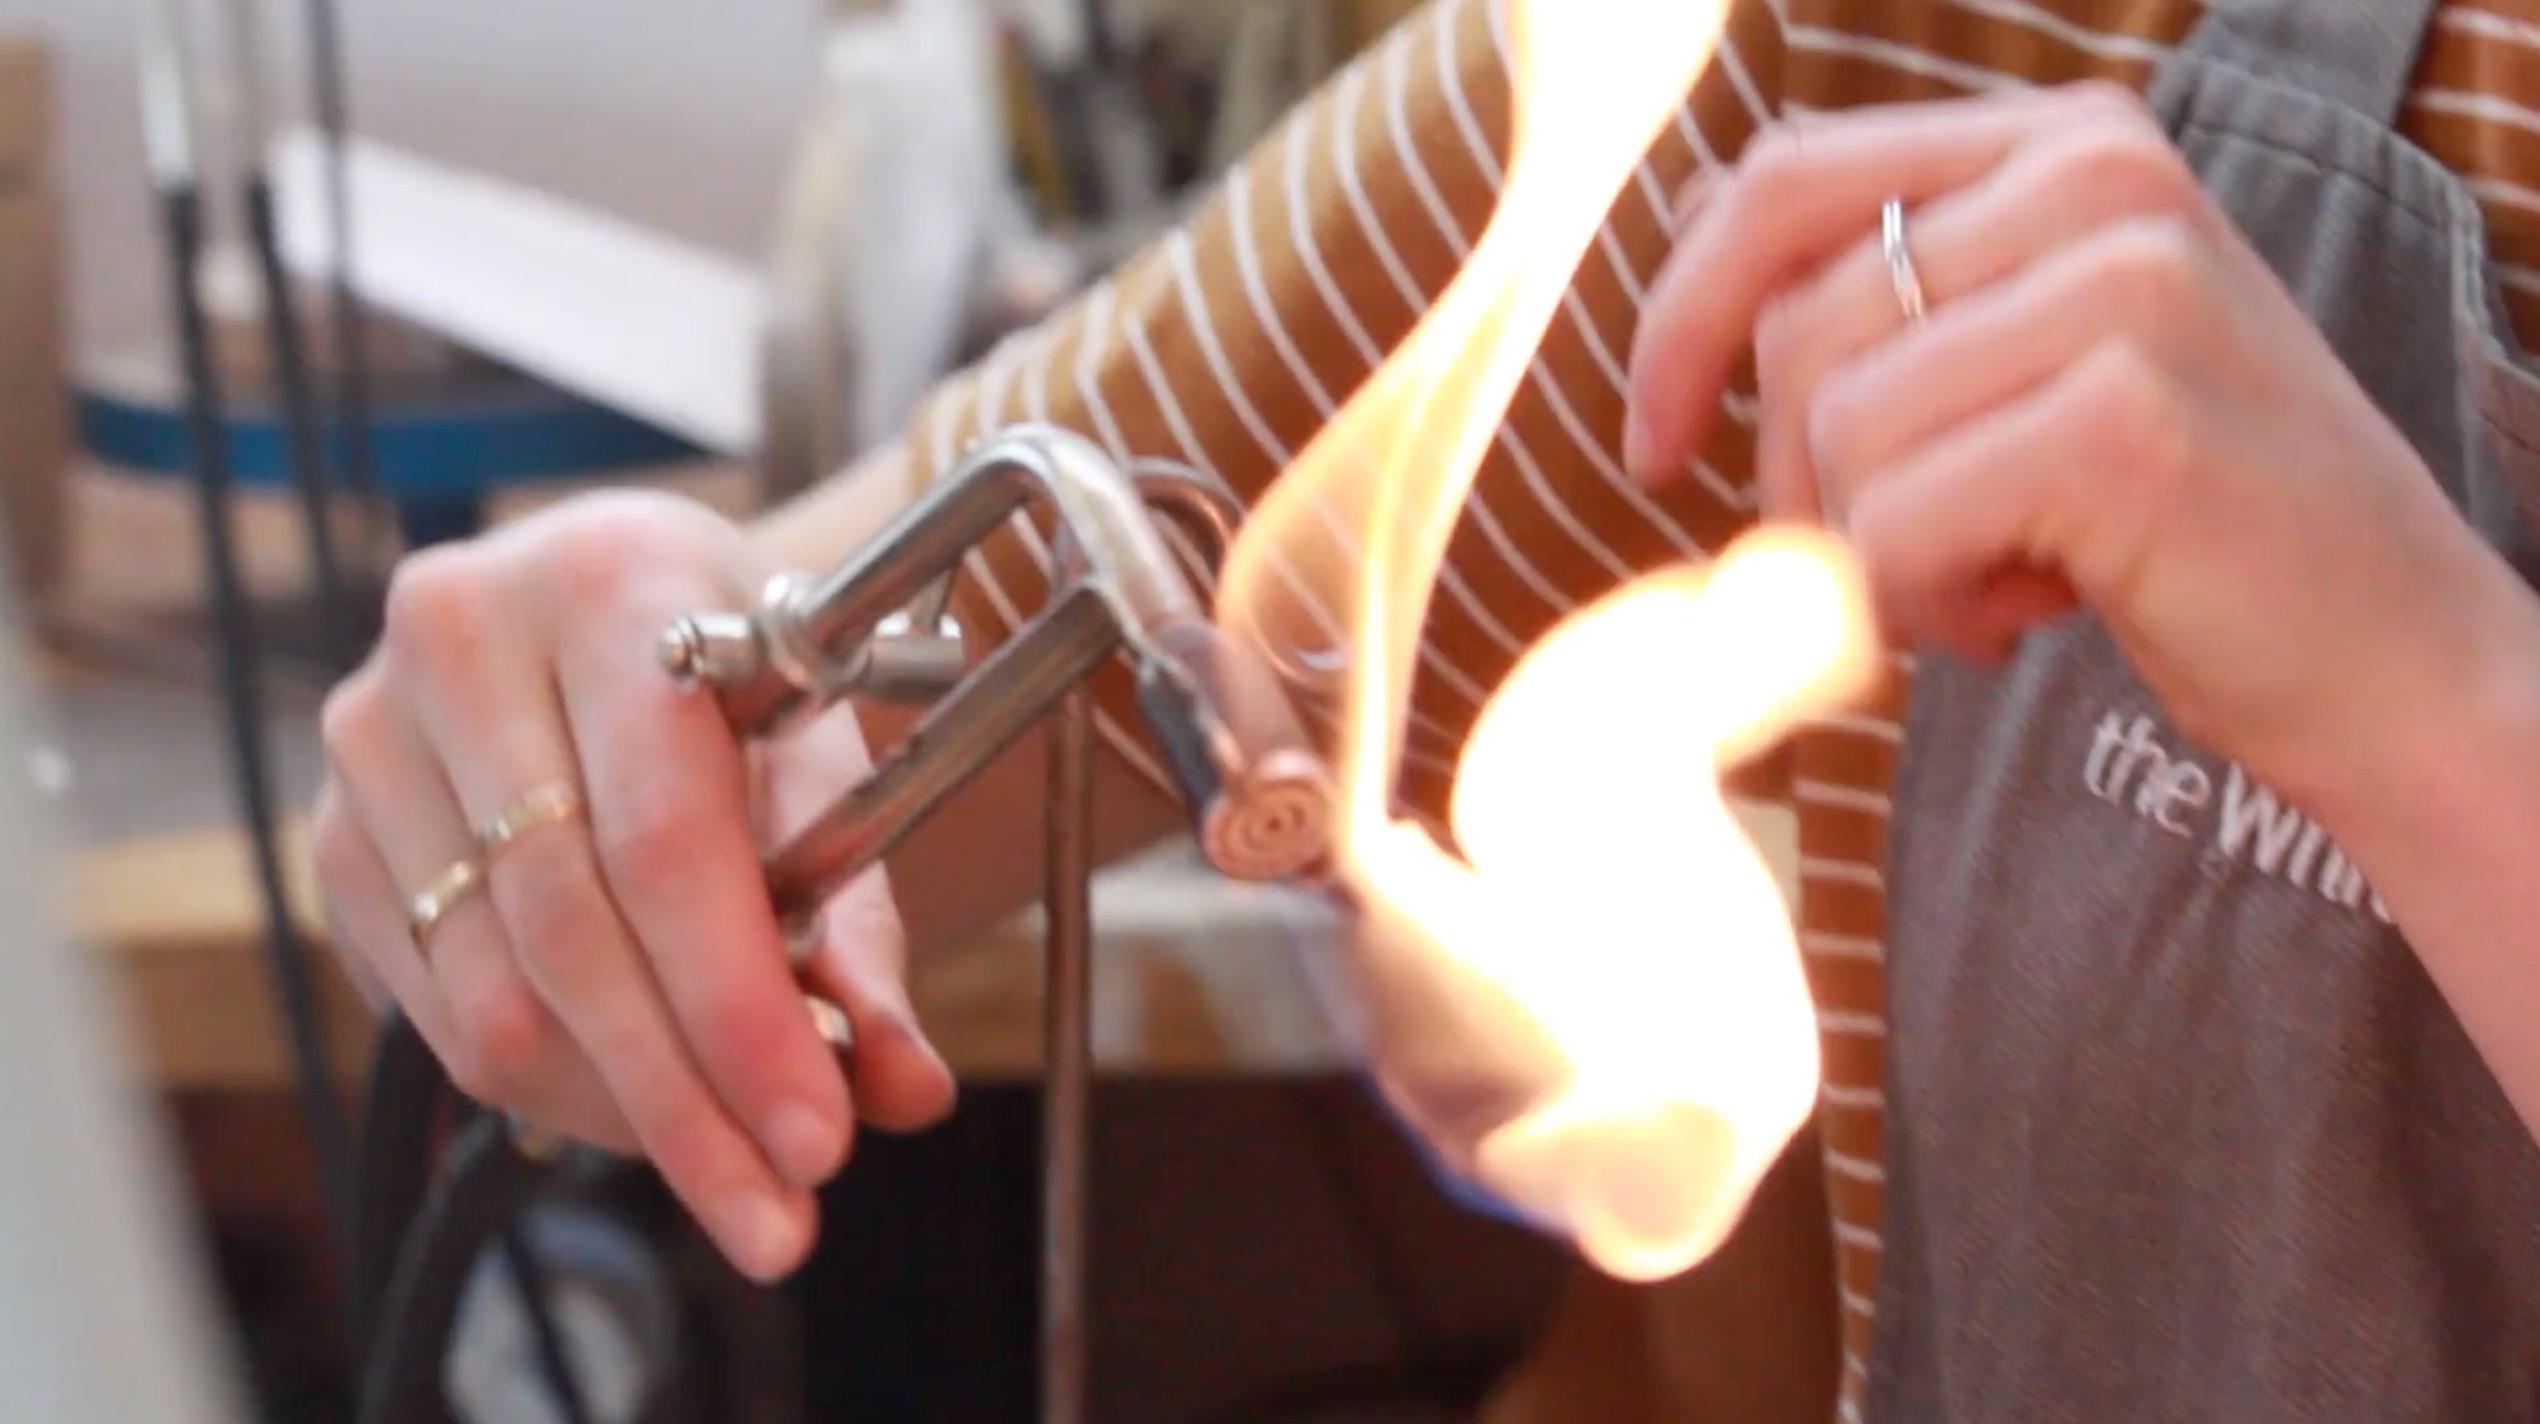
[[1776, 345], [649, 846], [507, 1036], [2109, 100], [2140, 412], [1774, 160], [1835, 442], [2132, 160], [1771, 149], [435, 596], [555, 911], [603, 542], [2154, 271], [594, 557], [348, 718], [333, 853], [731, 1026]]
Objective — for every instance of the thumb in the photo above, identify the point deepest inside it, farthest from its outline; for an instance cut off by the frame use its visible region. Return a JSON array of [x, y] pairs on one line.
[[899, 1082]]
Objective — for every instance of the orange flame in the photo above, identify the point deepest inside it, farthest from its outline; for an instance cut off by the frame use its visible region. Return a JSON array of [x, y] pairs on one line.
[[1610, 963]]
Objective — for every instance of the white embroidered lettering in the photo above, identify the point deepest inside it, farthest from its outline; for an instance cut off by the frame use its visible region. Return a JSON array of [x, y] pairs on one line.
[[2342, 880], [2251, 811], [2306, 853], [2127, 766], [2104, 741], [2180, 786]]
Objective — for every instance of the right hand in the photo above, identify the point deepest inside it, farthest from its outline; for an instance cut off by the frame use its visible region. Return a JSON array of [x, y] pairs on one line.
[[621, 979]]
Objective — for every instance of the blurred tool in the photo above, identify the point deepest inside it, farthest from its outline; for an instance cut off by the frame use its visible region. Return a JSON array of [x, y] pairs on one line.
[[351, 346], [293, 389], [169, 82]]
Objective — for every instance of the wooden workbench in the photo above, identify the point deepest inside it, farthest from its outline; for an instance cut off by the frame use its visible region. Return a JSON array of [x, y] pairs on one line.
[[1193, 975]]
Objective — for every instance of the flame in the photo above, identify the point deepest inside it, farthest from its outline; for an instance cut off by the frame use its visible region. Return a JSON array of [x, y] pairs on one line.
[[1606, 977]]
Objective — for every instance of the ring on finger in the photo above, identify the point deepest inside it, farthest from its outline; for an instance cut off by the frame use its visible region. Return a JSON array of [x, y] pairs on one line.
[[440, 895], [550, 804], [1901, 272]]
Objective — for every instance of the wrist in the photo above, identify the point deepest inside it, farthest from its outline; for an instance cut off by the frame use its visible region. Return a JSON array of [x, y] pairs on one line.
[[2452, 768]]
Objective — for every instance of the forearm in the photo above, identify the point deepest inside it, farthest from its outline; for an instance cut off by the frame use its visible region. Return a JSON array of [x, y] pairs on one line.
[[2446, 822], [975, 861]]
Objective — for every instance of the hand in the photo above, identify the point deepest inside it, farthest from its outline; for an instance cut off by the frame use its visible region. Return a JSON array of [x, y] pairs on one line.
[[2113, 401], [621, 979]]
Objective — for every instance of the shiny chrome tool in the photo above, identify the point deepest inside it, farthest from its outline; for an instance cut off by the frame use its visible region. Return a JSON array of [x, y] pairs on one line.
[[877, 626]]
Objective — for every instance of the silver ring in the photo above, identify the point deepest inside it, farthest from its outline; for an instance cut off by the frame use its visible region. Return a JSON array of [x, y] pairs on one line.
[[1900, 261]]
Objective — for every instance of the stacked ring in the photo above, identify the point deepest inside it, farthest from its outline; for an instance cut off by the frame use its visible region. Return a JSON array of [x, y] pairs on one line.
[[457, 881], [557, 801]]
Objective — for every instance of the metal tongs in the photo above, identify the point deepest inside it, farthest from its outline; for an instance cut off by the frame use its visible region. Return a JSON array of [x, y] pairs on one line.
[[877, 626]]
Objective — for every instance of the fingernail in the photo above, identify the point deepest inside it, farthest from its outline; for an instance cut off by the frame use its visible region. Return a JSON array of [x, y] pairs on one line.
[[763, 1237], [805, 1145]]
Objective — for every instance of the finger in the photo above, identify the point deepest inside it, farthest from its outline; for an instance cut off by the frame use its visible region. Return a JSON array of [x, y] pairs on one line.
[[506, 1049], [901, 1082], [1690, 200], [362, 907], [366, 920], [502, 747], [1798, 198], [2044, 198], [499, 724], [573, 948], [2146, 278], [668, 792], [1957, 539]]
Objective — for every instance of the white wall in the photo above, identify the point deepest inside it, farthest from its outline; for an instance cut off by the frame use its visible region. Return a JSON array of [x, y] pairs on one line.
[[676, 113]]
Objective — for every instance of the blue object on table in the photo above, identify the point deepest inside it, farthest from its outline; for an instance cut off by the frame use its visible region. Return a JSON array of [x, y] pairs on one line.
[[436, 456]]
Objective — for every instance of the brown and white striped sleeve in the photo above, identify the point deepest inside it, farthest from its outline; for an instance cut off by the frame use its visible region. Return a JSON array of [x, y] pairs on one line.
[[1232, 341]]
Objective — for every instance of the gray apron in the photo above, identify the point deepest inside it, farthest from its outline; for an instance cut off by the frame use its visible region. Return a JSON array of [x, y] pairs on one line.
[[2178, 1127]]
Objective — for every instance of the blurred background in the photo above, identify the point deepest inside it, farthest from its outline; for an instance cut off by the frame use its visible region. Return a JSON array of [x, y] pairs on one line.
[[722, 248]]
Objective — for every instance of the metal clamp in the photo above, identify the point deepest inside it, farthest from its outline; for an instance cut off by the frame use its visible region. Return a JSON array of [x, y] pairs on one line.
[[877, 625]]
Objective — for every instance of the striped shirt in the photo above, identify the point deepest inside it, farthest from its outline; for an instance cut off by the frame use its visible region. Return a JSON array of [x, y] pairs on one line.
[[1228, 343]]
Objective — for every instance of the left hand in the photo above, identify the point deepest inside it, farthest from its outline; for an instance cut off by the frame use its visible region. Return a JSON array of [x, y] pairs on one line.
[[2113, 402]]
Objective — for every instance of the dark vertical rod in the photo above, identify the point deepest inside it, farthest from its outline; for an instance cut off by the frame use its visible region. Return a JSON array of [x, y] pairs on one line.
[[344, 310], [298, 399], [290, 359], [244, 703], [1067, 1052]]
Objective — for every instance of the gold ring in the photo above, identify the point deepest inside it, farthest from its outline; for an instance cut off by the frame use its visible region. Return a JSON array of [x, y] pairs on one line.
[[459, 880], [556, 801]]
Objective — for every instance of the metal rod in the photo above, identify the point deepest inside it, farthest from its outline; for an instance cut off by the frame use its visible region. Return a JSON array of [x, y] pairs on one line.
[[959, 737], [167, 113], [344, 308], [243, 700], [806, 646], [292, 389], [1067, 1052], [297, 396]]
